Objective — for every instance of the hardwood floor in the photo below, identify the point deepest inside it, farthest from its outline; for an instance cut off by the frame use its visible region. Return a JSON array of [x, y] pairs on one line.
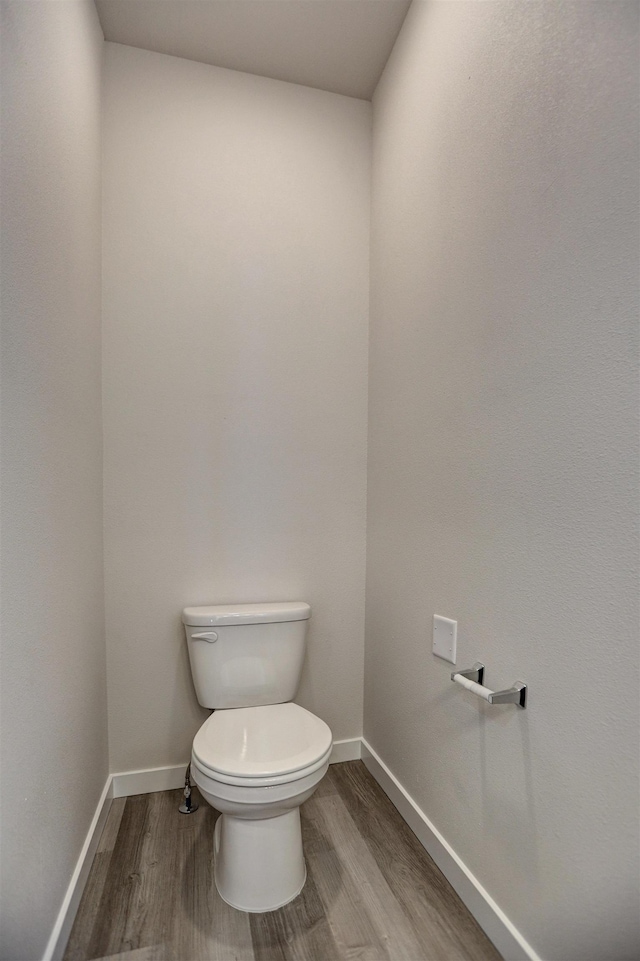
[[372, 891]]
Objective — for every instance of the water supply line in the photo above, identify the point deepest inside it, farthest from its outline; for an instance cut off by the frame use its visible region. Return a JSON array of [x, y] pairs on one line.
[[188, 806]]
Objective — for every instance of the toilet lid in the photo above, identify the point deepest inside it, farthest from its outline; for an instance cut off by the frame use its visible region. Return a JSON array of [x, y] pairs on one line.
[[261, 742]]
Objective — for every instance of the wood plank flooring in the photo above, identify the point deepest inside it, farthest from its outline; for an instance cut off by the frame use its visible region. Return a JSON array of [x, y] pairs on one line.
[[372, 891]]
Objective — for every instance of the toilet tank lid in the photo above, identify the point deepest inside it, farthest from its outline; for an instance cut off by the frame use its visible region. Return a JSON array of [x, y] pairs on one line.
[[246, 613]]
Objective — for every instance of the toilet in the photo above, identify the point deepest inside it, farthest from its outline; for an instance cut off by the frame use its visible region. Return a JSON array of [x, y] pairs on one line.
[[259, 755]]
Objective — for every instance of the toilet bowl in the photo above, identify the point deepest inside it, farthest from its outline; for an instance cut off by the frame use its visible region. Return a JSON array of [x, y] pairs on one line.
[[256, 766]]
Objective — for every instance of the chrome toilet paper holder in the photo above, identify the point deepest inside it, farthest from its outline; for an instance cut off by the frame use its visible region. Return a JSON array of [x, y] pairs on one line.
[[472, 679]]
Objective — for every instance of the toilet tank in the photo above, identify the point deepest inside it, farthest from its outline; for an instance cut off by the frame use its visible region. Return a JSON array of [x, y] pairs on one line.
[[246, 655]]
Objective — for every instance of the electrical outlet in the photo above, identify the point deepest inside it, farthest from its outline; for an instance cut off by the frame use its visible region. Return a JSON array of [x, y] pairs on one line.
[[445, 635]]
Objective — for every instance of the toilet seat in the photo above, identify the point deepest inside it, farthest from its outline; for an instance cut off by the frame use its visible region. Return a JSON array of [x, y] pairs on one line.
[[261, 746]]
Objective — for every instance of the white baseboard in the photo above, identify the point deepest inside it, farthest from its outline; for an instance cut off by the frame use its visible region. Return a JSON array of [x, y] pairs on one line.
[[487, 913], [66, 915], [149, 780], [348, 750]]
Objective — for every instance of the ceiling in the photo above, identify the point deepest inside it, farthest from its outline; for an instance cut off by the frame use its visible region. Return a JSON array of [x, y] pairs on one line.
[[336, 45]]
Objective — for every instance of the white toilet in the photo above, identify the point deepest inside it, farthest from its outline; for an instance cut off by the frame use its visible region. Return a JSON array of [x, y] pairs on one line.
[[258, 756]]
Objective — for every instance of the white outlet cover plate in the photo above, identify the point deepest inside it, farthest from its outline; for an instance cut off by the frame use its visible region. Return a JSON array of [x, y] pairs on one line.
[[445, 636]]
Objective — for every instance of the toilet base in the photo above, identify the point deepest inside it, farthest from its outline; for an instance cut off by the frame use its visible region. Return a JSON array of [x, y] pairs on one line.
[[259, 865]]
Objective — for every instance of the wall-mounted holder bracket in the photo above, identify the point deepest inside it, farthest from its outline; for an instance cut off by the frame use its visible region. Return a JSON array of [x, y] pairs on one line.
[[475, 673], [514, 695], [472, 679]]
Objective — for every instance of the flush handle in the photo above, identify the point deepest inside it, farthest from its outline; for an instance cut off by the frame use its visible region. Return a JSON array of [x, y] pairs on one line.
[[210, 636]]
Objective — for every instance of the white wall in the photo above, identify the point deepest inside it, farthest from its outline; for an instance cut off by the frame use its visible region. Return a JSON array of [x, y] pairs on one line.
[[54, 716], [503, 451], [236, 216]]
